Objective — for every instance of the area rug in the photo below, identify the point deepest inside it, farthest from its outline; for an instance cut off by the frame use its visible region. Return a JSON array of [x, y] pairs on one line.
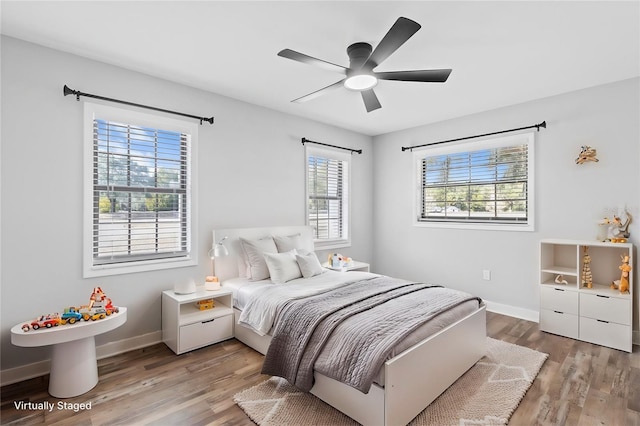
[[487, 394]]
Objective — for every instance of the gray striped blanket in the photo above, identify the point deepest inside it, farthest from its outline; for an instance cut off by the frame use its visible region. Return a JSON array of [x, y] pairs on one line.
[[379, 312]]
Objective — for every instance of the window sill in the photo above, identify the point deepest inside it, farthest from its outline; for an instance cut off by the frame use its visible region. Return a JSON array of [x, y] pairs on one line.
[[332, 244], [475, 225], [151, 265]]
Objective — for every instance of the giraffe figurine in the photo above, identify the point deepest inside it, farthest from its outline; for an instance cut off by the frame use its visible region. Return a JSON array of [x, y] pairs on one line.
[[587, 278]]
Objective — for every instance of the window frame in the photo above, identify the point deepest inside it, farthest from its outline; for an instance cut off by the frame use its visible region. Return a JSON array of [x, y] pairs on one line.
[[133, 117], [333, 154], [527, 138]]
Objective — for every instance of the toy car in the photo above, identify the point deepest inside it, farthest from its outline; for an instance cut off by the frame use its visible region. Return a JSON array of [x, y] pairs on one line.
[[93, 313], [70, 315], [48, 321]]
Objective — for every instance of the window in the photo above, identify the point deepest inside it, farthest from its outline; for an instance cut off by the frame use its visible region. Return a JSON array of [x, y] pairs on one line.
[[138, 190], [481, 184], [328, 196]]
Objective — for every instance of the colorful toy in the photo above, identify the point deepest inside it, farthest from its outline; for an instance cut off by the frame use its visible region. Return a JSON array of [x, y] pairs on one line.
[[48, 321], [587, 278], [623, 286], [99, 306], [205, 304], [70, 315], [337, 261]]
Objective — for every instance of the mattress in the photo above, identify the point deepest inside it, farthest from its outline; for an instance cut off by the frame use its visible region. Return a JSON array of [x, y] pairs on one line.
[[244, 290]]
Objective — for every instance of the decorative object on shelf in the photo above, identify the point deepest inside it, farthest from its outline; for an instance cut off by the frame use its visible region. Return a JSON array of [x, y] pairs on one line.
[[217, 250], [211, 283], [185, 287], [586, 154], [587, 278], [205, 304], [616, 230], [339, 261], [560, 280], [623, 285]]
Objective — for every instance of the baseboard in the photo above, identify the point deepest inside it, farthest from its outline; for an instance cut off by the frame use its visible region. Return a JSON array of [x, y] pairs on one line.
[[513, 311], [41, 368]]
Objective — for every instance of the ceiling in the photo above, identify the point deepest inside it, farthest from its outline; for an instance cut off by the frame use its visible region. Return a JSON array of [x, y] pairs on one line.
[[502, 53]]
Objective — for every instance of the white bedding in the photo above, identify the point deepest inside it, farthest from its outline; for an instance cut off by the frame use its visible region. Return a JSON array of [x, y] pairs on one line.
[[258, 299]]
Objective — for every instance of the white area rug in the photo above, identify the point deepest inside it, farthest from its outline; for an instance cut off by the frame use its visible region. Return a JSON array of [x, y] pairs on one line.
[[487, 394]]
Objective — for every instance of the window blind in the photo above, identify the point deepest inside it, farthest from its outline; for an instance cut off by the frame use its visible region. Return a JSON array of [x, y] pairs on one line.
[[141, 193], [327, 192], [487, 185]]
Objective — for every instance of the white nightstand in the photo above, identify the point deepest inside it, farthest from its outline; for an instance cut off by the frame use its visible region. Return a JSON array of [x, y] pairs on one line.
[[185, 327], [355, 266]]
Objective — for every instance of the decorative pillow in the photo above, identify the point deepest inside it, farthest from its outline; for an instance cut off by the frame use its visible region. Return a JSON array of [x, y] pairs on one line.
[[288, 243], [309, 264], [254, 256], [282, 266]]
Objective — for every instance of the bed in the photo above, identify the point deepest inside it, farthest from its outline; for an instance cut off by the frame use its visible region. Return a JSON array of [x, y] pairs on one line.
[[419, 369]]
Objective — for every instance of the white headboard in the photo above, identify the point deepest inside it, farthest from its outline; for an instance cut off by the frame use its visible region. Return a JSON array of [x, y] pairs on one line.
[[227, 266]]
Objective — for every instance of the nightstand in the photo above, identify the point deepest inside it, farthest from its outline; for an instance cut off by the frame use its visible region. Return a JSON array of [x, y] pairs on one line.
[[355, 266], [186, 327]]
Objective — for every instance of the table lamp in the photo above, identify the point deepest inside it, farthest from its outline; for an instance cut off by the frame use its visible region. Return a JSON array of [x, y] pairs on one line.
[[218, 250]]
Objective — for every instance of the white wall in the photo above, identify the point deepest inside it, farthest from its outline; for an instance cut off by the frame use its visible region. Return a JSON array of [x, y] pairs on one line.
[[251, 173], [570, 198]]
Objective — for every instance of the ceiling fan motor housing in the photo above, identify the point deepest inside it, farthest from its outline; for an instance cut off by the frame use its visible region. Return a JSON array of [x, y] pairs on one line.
[[358, 55]]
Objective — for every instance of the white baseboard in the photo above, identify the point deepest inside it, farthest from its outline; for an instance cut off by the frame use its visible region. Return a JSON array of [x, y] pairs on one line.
[[41, 368], [513, 311]]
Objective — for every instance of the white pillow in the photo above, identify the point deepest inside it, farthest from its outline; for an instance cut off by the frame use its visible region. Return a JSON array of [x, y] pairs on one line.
[[309, 264], [254, 255], [282, 266], [288, 243]]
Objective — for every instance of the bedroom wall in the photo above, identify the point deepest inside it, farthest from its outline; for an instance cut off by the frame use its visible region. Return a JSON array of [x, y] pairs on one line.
[[251, 173], [570, 198]]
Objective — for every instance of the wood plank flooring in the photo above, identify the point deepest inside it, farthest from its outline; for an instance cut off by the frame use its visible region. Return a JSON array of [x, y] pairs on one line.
[[579, 384]]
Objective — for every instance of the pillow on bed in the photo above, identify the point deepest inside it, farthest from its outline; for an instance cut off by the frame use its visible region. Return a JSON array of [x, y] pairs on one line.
[[282, 266], [309, 264], [254, 251], [288, 243]]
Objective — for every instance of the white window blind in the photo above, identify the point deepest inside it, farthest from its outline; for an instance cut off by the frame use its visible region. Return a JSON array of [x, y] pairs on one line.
[[140, 193], [328, 194], [487, 182]]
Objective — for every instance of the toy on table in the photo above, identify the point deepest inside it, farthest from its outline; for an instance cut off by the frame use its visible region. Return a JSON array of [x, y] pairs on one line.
[[338, 261], [623, 283], [99, 307], [617, 231], [48, 321], [70, 315]]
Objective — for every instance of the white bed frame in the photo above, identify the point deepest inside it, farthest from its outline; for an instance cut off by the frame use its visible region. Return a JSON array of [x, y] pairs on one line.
[[413, 379]]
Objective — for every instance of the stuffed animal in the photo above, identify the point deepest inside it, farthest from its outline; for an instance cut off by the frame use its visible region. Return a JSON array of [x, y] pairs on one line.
[[624, 277]]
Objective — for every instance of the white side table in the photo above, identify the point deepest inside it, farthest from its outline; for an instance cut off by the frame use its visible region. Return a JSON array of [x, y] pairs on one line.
[[355, 266], [74, 367]]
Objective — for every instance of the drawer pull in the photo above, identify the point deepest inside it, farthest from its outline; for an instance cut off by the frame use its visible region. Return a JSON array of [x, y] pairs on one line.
[[558, 289], [606, 322], [600, 295], [558, 312], [211, 320]]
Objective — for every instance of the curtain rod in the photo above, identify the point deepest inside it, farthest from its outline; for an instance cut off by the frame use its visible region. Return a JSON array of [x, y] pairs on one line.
[[305, 140], [78, 93], [537, 126]]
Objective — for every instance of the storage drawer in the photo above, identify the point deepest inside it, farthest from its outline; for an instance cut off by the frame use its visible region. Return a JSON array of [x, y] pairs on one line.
[[204, 333], [559, 299], [605, 308], [606, 333], [560, 323]]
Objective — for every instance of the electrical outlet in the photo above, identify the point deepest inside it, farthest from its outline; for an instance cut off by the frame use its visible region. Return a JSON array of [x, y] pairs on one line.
[[486, 275]]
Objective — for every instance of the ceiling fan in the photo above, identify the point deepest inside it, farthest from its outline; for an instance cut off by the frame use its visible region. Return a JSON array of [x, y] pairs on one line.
[[359, 76]]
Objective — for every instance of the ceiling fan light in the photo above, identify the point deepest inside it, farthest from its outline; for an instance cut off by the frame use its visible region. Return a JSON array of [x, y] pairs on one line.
[[360, 82]]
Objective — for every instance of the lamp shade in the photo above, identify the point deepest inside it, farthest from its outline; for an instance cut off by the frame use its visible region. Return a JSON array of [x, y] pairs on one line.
[[218, 250]]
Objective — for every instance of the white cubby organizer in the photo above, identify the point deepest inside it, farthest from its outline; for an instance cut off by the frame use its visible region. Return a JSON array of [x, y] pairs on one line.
[[599, 315]]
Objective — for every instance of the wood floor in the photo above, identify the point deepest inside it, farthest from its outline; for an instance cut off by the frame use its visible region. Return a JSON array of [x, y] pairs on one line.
[[579, 384]]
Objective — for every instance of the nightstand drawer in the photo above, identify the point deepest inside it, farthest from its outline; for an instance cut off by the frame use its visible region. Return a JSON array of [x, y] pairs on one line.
[[560, 323], [557, 299], [606, 333], [205, 332], [605, 308]]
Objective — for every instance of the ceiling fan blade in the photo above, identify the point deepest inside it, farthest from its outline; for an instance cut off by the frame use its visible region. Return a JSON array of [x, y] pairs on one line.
[[400, 32], [370, 99], [310, 60], [427, 76], [320, 92]]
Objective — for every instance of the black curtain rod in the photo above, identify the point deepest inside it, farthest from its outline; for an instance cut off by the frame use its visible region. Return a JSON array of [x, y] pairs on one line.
[[537, 126], [78, 93], [305, 140]]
